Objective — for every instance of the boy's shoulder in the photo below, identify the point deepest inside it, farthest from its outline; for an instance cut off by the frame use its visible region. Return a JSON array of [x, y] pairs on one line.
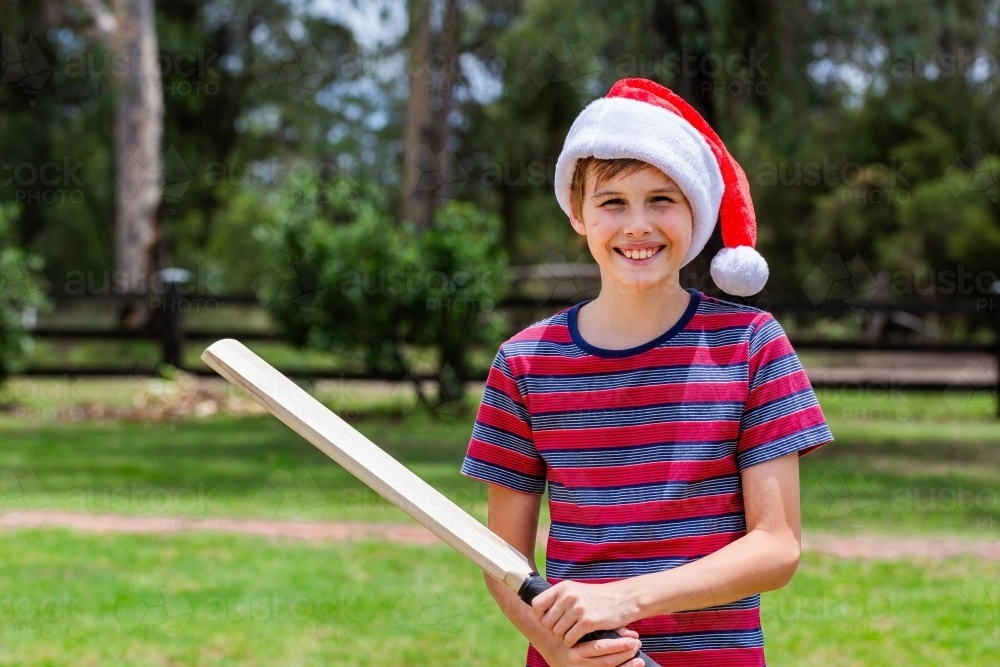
[[551, 332], [713, 306]]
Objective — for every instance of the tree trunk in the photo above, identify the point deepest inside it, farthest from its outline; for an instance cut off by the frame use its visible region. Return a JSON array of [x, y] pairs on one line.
[[419, 160], [138, 132], [429, 169], [449, 56]]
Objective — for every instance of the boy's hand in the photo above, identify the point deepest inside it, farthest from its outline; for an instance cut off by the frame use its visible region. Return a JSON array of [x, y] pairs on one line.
[[571, 609], [600, 653]]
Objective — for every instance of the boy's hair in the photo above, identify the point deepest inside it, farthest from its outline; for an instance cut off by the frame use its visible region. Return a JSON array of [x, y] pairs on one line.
[[602, 170]]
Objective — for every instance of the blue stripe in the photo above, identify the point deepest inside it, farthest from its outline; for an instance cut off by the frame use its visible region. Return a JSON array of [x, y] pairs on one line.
[[647, 415], [505, 439], [778, 408], [489, 472], [649, 532], [646, 377], [586, 457], [804, 439]]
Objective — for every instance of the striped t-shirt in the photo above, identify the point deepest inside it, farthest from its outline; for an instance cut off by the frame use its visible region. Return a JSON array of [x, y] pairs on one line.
[[642, 451]]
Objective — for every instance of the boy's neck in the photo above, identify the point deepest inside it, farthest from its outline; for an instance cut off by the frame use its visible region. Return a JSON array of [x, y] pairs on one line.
[[620, 318]]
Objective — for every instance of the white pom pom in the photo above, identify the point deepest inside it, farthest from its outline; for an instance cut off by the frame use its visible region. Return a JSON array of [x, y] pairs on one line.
[[740, 271]]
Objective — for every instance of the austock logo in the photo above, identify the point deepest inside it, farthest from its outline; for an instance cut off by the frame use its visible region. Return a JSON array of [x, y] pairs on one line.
[[425, 605], [975, 383], [285, 59], [148, 604], [170, 171], [438, 174], [22, 497], [858, 65], [23, 282], [286, 279], [839, 499], [559, 62], [981, 599], [290, 497], [557, 278], [444, 407], [24, 65], [974, 170], [834, 279]]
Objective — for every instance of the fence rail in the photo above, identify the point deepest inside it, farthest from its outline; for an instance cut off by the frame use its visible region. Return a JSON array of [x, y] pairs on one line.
[[171, 334]]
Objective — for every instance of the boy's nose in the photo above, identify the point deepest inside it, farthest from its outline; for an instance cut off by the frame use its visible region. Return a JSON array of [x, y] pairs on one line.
[[637, 224]]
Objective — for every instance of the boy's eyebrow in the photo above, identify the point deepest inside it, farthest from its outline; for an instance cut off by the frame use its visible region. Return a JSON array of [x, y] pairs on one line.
[[666, 188]]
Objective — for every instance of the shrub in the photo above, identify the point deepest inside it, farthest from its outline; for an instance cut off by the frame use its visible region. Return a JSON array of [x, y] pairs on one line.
[[347, 276], [22, 291]]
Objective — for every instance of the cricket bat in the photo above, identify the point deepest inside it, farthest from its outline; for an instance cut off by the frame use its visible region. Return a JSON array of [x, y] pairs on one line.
[[384, 474]]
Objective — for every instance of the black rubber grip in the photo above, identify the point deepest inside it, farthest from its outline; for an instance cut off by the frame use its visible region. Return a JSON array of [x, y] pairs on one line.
[[535, 584]]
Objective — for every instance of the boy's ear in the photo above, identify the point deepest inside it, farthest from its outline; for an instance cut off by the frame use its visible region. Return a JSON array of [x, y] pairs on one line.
[[577, 224]]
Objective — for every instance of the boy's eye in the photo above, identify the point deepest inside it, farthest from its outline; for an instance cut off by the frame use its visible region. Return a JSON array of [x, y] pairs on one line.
[[613, 202], [661, 199]]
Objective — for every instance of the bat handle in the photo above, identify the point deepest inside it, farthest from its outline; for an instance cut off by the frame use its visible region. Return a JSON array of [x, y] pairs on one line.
[[535, 584]]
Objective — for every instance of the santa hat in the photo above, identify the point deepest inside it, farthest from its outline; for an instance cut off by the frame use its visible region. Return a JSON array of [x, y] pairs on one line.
[[643, 120]]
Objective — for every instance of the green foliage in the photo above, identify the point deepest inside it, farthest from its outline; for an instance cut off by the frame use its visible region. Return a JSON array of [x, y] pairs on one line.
[[866, 83], [347, 275], [21, 288]]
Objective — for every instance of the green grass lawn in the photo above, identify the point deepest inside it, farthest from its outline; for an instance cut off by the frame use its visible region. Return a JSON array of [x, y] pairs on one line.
[[252, 467], [937, 470], [199, 598], [204, 599]]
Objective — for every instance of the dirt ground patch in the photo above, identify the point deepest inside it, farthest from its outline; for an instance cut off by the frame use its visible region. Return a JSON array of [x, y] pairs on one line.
[[869, 547]]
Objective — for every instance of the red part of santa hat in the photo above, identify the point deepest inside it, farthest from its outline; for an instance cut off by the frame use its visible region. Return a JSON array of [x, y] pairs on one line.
[[643, 120]]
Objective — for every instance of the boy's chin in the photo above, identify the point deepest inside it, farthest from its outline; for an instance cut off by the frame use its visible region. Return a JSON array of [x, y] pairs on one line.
[[640, 279]]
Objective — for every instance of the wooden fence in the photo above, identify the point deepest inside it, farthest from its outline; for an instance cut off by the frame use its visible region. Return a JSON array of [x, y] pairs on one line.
[[535, 290]]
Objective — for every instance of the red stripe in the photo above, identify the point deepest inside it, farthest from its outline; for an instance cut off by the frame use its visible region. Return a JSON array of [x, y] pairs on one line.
[[503, 420], [555, 333], [506, 458], [728, 657], [778, 388], [779, 427], [699, 621], [716, 321], [734, 657]]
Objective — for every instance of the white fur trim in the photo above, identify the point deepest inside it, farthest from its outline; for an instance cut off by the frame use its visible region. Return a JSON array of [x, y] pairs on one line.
[[740, 271], [617, 127]]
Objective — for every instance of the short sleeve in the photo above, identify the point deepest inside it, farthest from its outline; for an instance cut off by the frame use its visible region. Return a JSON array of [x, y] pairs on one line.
[[781, 414], [502, 450]]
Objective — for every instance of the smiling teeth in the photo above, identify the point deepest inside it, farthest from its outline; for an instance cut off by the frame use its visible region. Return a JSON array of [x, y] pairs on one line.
[[639, 254]]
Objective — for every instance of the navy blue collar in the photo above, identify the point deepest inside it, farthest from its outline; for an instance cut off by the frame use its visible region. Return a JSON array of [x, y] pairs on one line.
[[574, 330]]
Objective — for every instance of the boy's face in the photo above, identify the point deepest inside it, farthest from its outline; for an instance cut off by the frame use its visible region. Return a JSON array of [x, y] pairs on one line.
[[638, 227]]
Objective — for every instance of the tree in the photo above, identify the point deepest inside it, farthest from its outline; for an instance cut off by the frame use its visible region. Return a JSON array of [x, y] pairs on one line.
[[128, 30]]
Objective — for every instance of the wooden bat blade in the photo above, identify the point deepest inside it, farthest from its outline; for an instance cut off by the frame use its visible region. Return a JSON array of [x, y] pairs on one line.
[[366, 461]]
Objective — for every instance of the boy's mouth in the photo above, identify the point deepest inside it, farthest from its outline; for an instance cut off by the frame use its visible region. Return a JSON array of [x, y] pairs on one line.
[[639, 254]]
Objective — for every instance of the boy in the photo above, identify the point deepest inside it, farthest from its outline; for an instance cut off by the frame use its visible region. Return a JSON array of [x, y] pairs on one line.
[[666, 423]]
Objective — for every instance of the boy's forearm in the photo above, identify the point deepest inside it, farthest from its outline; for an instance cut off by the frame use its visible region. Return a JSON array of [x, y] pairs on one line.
[[520, 615], [762, 560], [757, 562]]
